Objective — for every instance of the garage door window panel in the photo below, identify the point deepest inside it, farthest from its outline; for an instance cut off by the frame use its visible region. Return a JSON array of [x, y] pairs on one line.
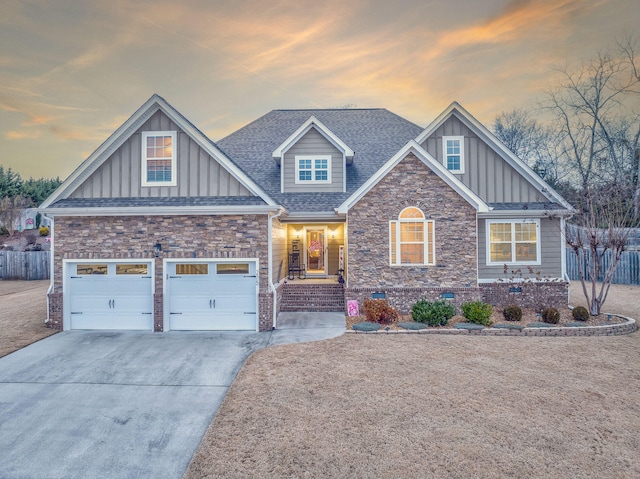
[[232, 268], [132, 269], [90, 269], [192, 268]]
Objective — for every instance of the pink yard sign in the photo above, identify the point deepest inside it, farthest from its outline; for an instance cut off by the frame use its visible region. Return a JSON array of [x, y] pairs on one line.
[[353, 308]]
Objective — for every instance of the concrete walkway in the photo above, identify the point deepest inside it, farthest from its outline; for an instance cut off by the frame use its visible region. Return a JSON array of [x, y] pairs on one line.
[[97, 404]]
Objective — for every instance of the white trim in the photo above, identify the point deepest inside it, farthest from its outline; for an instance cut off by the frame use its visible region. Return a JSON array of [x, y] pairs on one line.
[[313, 170], [445, 155], [513, 222], [128, 128], [563, 248], [272, 287], [166, 316], [145, 161], [158, 211], [437, 167], [312, 122], [66, 293], [520, 166]]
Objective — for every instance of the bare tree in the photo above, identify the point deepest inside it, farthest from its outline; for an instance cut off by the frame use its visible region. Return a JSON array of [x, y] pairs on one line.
[[603, 230]]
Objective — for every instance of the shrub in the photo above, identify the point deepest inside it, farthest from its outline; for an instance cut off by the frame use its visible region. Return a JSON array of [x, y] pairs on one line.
[[550, 315], [379, 311], [437, 313], [580, 313], [43, 230], [4, 231], [477, 312], [513, 312]]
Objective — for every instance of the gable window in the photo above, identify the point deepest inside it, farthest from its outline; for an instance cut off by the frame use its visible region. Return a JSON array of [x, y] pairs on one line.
[[313, 169], [411, 239], [159, 158], [453, 153], [514, 241]]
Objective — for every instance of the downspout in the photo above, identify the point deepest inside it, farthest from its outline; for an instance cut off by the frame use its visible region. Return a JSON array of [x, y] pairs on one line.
[[272, 286], [51, 266]]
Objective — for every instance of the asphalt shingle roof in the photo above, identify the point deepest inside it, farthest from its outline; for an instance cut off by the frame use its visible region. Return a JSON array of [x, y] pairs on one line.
[[375, 135], [158, 202]]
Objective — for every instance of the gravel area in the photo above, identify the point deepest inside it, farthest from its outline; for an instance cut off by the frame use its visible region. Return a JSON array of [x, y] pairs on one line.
[[434, 406]]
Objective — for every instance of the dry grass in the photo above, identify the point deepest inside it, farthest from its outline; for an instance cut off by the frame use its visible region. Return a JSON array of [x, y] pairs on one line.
[[434, 406], [23, 309]]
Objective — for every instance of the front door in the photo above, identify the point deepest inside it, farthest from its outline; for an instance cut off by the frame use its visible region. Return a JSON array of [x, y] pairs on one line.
[[316, 251]]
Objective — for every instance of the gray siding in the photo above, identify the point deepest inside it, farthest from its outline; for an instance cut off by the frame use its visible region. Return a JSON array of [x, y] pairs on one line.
[[313, 143], [198, 174], [550, 252], [485, 172]]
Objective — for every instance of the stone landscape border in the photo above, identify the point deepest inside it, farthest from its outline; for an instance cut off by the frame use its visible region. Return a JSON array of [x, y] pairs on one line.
[[627, 327]]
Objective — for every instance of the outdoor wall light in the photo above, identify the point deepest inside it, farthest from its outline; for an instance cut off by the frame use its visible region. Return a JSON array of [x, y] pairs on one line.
[[156, 249]]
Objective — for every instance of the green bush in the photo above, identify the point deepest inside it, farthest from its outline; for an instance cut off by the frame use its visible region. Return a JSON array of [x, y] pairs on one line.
[[379, 311], [437, 313], [580, 313], [550, 315], [43, 230], [513, 312], [477, 312]]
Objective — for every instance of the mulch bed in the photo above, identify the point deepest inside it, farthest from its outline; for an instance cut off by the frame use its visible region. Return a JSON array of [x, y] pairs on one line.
[[528, 316]]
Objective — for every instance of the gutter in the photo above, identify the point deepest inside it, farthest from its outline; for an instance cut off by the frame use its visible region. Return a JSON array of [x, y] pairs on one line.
[[272, 287]]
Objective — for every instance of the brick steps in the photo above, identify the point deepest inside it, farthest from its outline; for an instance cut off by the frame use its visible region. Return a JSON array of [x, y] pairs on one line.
[[312, 297]]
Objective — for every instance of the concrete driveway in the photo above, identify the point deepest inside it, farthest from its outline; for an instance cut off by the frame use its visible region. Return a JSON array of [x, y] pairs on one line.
[[95, 404]]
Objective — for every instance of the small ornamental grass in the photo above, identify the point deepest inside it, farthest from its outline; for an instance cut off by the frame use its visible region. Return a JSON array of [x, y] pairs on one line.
[[580, 313], [477, 312], [437, 313], [379, 311], [513, 312]]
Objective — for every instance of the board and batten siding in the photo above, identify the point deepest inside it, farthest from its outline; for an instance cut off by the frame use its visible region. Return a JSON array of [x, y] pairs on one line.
[[313, 143], [550, 251], [486, 173], [198, 174]]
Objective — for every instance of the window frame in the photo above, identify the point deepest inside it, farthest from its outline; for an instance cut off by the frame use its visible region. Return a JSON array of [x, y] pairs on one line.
[[145, 160], [313, 169], [513, 241], [395, 239], [445, 155]]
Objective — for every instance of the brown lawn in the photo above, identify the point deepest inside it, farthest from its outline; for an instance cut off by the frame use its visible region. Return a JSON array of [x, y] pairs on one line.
[[388, 406], [23, 309]]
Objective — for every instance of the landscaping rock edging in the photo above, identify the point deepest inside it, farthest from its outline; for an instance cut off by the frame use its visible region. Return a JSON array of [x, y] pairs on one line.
[[628, 327]]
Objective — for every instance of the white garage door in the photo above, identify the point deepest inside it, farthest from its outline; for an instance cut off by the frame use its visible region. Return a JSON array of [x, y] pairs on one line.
[[212, 295], [110, 295]]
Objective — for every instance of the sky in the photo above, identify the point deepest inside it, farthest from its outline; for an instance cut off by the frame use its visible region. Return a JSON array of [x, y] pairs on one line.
[[72, 71]]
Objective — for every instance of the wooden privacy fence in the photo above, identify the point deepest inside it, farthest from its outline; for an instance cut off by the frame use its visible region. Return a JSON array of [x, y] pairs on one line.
[[628, 271], [26, 265]]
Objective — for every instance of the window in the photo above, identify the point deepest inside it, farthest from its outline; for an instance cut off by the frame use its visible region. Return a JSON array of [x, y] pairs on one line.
[[514, 241], [453, 153], [159, 158], [100, 268], [411, 239], [229, 268], [130, 268], [192, 268], [313, 169]]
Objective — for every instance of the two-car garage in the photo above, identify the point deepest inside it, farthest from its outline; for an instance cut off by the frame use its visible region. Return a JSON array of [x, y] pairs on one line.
[[200, 295]]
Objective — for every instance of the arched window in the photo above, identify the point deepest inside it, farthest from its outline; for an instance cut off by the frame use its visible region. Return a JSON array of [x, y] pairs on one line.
[[411, 239]]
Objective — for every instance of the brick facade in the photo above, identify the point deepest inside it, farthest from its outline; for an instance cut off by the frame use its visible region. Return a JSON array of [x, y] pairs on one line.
[[536, 295], [124, 237]]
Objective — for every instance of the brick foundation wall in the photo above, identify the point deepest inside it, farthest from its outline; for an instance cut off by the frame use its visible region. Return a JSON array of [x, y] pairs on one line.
[[411, 183], [55, 311], [532, 295], [134, 237], [403, 298]]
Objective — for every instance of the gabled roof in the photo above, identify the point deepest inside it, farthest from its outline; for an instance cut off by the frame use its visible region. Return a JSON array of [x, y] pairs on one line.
[[124, 132], [435, 166], [374, 135], [483, 132], [312, 122]]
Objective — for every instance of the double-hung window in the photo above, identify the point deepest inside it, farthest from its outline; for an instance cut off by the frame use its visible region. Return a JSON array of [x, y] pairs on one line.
[[313, 169], [453, 153], [514, 241], [411, 239], [159, 158]]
